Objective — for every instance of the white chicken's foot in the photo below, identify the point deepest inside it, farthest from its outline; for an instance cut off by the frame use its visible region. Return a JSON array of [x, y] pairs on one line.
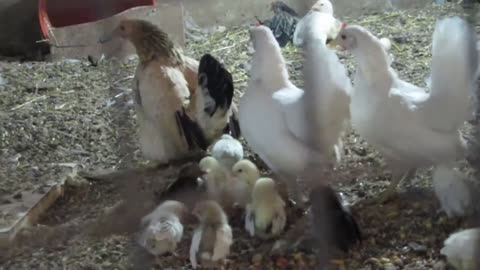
[[387, 194]]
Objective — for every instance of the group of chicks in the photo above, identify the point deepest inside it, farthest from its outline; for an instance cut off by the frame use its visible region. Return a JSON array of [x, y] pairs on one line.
[[183, 105], [229, 181]]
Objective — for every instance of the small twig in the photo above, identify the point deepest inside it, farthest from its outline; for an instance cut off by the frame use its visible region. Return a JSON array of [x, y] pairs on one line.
[[64, 133], [123, 79], [231, 46], [61, 46], [27, 103]]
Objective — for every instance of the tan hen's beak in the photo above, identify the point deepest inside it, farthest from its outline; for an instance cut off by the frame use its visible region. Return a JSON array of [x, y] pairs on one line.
[[109, 36]]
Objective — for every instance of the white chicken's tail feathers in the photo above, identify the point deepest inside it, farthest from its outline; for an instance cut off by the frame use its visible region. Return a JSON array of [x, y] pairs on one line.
[[298, 34], [268, 65], [453, 70]]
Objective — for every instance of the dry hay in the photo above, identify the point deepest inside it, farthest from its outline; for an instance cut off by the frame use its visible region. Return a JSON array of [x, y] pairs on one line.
[[74, 114]]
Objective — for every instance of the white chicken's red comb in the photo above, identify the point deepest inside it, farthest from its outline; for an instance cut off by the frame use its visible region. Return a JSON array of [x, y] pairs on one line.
[[344, 25], [257, 23]]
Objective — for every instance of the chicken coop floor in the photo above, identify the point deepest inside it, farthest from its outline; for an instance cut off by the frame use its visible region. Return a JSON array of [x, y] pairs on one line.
[[76, 115]]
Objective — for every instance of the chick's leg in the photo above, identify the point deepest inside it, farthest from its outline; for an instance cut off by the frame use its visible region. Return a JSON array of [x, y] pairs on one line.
[[397, 177]]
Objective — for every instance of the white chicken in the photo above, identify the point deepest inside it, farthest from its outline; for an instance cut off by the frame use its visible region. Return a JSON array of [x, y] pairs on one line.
[[227, 151], [320, 16], [213, 237], [266, 216], [272, 101], [163, 229], [328, 89], [410, 127], [462, 249], [245, 174]]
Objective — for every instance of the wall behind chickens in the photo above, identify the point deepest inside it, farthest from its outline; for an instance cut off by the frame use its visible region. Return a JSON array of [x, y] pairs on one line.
[[19, 28], [210, 12]]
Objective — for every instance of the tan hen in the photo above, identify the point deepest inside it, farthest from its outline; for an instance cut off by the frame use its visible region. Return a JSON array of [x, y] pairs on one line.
[[181, 105]]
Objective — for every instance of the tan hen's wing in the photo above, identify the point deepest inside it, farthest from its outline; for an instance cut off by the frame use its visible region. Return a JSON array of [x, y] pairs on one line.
[[187, 127]]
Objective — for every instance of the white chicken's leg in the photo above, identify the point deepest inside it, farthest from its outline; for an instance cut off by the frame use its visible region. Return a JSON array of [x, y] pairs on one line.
[[397, 177]]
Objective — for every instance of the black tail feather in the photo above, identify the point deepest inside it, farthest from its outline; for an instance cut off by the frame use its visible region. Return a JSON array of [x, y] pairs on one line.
[[332, 221], [233, 126], [191, 131], [215, 78]]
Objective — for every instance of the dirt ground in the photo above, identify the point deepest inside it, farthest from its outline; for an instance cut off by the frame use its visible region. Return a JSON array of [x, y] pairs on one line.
[[55, 117]]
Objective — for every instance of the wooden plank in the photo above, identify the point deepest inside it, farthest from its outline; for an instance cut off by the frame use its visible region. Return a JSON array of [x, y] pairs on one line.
[[23, 209], [169, 16]]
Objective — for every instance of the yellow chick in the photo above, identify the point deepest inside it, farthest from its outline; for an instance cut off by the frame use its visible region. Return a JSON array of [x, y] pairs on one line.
[[216, 179], [267, 217], [245, 175], [213, 237]]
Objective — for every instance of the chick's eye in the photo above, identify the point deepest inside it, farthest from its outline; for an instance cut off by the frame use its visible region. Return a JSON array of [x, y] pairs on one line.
[[321, 5], [122, 28], [343, 37]]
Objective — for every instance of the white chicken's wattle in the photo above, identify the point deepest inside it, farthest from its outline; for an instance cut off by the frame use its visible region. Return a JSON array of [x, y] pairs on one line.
[[409, 126]]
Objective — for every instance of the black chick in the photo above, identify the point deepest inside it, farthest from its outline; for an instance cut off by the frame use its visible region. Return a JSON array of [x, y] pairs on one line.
[[332, 220], [283, 23]]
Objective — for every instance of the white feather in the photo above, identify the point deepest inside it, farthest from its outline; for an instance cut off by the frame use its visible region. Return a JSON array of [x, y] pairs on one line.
[[279, 220], [249, 220], [195, 246], [462, 249]]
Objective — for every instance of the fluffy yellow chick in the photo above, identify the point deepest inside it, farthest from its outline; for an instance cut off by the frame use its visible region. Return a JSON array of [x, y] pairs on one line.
[[266, 215], [245, 175], [163, 228], [213, 237], [216, 179]]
